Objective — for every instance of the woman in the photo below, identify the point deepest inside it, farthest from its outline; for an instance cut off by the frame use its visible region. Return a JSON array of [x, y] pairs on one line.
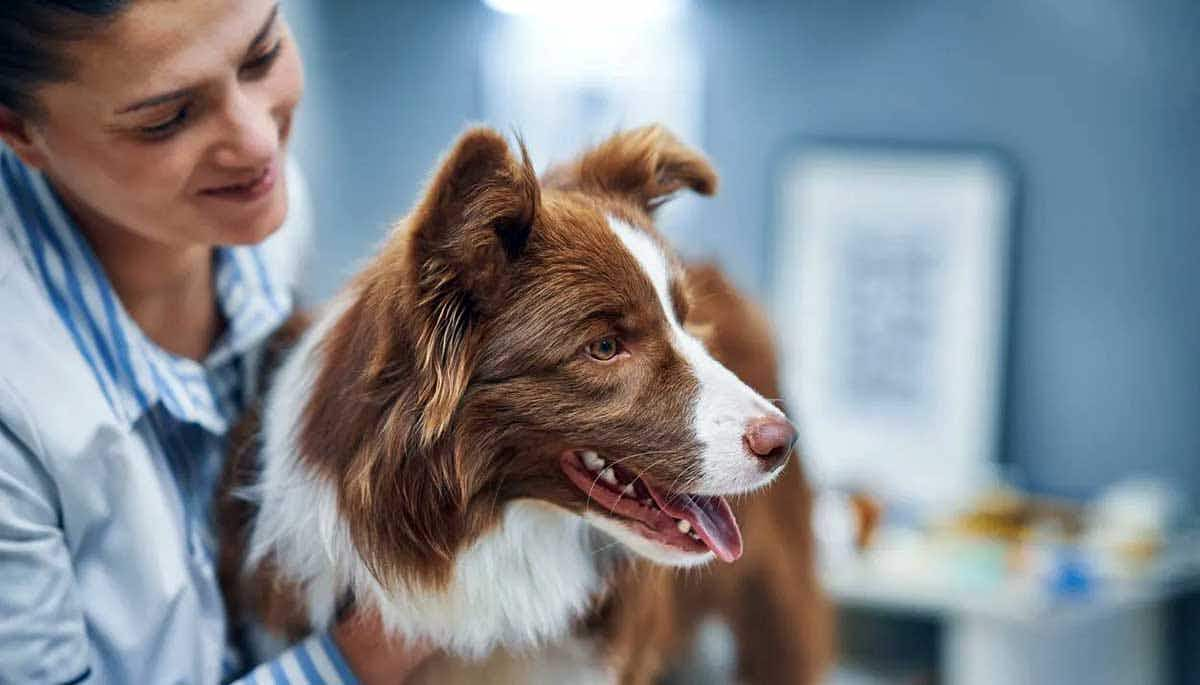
[[145, 163]]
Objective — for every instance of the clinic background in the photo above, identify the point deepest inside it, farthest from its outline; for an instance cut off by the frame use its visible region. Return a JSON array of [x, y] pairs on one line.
[[1094, 101]]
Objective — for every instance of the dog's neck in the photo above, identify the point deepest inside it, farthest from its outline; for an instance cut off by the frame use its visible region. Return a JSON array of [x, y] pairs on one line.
[[524, 581]]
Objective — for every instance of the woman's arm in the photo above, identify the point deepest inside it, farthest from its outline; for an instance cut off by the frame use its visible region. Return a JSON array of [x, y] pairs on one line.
[[43, 634], [355, 651], [314, 661], [43, 638], [375, 658]]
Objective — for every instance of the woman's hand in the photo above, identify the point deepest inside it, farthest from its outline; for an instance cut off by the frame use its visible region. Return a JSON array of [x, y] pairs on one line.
[[375, 658]]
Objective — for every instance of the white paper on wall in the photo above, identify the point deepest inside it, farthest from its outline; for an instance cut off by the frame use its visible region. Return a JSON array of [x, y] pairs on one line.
[[888, 301]]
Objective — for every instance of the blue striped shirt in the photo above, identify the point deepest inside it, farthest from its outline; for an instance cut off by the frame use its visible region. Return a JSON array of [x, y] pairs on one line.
[[110, 448]]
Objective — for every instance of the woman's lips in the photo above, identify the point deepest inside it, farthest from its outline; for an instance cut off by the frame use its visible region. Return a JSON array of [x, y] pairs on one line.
[[247, 191]]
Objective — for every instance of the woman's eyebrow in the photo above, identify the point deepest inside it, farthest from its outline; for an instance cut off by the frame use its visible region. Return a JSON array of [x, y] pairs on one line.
[[156, 100], [266, 28], [183, 92]]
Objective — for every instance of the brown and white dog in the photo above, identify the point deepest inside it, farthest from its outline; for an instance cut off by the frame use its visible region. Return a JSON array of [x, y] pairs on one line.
[[506, 406]]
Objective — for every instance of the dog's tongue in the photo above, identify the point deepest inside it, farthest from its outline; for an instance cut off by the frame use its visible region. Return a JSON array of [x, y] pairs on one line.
[[711, 518]]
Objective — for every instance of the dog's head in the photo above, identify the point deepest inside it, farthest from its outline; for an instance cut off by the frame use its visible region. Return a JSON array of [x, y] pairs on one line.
[[526, 340]]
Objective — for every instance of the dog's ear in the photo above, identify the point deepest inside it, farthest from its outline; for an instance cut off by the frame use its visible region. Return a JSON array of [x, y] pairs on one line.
[[645, 165], [476, 214], [472, 223]]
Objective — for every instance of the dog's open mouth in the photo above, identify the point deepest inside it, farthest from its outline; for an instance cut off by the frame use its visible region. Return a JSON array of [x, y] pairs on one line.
[[693, 523]]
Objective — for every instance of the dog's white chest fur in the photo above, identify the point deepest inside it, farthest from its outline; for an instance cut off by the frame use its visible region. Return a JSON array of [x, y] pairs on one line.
[[521, 584]]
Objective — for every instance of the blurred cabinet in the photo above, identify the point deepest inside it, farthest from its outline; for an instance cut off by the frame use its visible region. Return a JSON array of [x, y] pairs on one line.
[[1116, 635], [1119, 645]]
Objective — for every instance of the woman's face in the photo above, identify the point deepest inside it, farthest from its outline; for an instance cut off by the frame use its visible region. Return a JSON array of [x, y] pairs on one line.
[[175, 122]]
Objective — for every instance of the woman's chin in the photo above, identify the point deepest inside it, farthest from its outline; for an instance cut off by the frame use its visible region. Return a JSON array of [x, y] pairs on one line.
[[249, 225]]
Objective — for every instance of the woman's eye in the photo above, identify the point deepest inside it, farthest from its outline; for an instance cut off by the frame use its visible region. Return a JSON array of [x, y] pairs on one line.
[[604, 349], [263, 62], [166, 128]]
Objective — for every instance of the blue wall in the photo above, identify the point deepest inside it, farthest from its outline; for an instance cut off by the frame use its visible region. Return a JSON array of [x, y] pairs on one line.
[[390, 85], [1097, 103], [1095, 100]]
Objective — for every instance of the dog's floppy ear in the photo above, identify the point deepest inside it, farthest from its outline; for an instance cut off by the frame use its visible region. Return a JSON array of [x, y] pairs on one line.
[[472, 223], [646, 165]]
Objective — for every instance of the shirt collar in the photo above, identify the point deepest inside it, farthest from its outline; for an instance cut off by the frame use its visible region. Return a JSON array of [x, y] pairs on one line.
[[132, 371]]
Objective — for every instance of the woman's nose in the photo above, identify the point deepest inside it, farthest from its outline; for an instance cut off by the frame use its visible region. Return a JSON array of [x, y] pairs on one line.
[[250, 136]]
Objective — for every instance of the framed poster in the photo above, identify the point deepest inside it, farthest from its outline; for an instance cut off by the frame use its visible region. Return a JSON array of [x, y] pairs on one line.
[[888, 293]]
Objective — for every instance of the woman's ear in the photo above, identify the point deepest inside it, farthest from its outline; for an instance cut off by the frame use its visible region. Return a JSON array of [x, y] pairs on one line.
[[20, 135]]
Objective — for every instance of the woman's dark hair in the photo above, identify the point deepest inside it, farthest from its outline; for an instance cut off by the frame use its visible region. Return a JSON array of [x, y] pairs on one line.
[[33, 35]]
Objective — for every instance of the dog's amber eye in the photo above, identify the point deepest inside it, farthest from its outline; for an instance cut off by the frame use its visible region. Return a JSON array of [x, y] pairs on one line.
[[603, 349]]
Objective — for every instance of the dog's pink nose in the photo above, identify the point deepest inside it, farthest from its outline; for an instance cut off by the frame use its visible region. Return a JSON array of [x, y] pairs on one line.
[[770, 440]]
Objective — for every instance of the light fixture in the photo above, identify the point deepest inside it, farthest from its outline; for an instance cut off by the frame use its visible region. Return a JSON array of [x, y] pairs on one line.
[[607, 11]]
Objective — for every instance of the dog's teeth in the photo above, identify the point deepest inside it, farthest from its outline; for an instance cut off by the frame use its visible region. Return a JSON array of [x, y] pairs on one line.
[[608, 476], [683, 526], [628, 491], [649, 502], [592, 460], [693, 536]]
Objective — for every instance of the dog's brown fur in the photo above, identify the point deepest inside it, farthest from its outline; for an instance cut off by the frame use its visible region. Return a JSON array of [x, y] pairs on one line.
[[434, 351]]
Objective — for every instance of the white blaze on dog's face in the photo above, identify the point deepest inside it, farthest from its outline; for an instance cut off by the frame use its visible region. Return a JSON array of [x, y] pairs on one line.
[[727, 420], [724, 405]]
